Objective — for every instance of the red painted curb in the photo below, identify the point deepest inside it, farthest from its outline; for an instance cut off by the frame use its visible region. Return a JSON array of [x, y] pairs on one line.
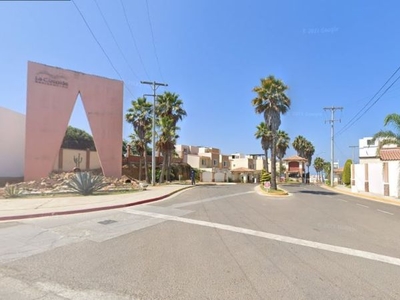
[[86, 210]]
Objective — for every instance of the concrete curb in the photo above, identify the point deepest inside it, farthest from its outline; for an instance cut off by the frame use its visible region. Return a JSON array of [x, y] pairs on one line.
[[92, 209], [366, 197], [262, 193]]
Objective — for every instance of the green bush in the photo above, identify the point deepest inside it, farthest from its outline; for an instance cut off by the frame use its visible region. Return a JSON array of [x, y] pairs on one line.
[[265, 176], [85, 183], [346, 177]]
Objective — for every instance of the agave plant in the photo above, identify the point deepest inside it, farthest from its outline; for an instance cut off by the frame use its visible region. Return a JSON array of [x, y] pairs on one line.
[[12, 191], [85, 183]]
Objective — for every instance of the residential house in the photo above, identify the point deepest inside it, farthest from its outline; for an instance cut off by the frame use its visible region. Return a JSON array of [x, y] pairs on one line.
[[213, 165], [368, 150], [377, 173], [12, 150]]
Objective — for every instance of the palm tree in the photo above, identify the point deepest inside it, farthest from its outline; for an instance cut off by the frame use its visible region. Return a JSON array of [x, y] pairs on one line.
[[319, 166], [271, 101], [304, 148], [327, 170], [139, 115], [389, 137], [282, 144], [169, 111], [266, 139], [309, 151], [299, 144]]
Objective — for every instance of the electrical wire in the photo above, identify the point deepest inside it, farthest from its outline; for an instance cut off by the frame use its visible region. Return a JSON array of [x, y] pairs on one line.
[[101, 47], [354, 120], [115, 40], [133, 39], [152, 37]]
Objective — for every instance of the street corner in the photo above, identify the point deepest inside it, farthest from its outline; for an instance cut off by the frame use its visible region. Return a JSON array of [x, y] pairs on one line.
[[364, 195]]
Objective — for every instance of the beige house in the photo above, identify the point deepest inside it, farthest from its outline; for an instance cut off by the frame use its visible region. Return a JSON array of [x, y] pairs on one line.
[[214, 166]]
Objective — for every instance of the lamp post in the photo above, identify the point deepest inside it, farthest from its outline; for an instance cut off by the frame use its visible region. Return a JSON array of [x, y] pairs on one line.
[[154, 85]]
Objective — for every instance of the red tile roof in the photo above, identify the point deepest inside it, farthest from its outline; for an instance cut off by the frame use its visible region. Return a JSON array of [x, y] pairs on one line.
[[390, 153], [295, 158]]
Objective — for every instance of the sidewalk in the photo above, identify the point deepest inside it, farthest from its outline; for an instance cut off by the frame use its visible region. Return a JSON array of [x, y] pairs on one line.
[[369, 196], [24, 208]]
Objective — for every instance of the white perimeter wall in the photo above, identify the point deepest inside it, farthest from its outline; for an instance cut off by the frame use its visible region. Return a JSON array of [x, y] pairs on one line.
[[394, 179], [12, 145], [359, 177], [375, 174], [375, 178]]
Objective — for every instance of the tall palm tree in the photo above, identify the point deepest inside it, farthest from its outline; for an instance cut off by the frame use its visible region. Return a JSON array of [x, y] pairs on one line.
[[139, 115], [299, 144], [282, 144], [327, 170], [389, 137], [271, 101], [319, 166], [309, 151], [266, 139], [169, 111]]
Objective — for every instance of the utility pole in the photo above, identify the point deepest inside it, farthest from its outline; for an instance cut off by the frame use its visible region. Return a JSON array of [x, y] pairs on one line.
[[353, 152], [154, 86], [332, 122]]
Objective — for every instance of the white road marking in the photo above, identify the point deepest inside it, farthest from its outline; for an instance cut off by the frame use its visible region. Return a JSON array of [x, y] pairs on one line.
[[279, 238], [385, 212], [209, 199], [343, 200], [362, 205]]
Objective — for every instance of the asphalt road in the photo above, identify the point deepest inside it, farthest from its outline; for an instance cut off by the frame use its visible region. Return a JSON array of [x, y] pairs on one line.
[[209, 242]]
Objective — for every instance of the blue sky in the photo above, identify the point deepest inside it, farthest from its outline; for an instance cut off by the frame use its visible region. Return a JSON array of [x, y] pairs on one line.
[[212, 53]]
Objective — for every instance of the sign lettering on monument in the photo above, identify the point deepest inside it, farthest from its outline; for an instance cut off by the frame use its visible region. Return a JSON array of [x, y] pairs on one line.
[[49, 79]]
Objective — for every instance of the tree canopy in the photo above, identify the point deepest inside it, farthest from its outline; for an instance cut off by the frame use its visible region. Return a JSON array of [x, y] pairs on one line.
[[79, 139]]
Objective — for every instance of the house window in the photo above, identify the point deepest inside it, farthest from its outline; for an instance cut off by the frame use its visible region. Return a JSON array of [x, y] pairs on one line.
[[215, 162], [370, 142], [203, 162], [224, 163]]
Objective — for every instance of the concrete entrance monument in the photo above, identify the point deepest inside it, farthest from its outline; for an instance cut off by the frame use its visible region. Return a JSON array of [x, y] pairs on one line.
[[51, 97]]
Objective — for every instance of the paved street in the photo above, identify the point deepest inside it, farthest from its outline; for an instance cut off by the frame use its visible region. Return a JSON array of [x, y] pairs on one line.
[[209, 242]]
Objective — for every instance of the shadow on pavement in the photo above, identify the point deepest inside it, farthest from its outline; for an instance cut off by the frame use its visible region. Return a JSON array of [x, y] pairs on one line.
[[318, 193]]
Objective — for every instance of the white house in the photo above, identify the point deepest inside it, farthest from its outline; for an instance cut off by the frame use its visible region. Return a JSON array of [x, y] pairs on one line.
[[12, 147], [368, 150]]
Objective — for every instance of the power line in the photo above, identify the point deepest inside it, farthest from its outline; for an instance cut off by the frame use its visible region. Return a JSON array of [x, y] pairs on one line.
[[352, 121], [372, 104], [133, 39], [101, 47], [152, 37], [115, 40]]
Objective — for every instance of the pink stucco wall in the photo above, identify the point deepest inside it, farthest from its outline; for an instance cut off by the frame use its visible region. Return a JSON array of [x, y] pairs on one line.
[[51, 96]]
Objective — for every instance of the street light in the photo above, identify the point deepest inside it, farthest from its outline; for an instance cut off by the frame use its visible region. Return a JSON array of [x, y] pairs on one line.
[[154, 85]]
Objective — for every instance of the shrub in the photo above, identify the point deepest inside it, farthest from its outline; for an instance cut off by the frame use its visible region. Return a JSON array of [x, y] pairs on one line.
[[12, 191], [265, 176], [85, 183], [346, 177]]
